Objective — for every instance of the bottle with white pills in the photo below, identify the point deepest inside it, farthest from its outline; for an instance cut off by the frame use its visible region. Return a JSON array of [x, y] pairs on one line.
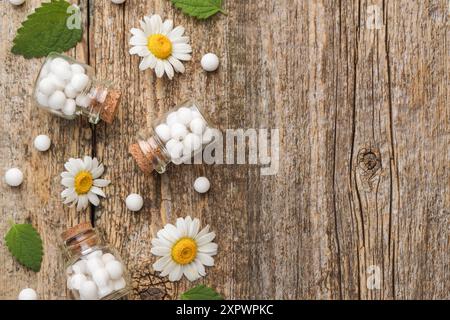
[[178, 136], [69, 89], [94, 271]]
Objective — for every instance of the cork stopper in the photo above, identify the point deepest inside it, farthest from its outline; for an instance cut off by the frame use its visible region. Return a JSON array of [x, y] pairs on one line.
[[76, 230], [143, 161], [110, 106]]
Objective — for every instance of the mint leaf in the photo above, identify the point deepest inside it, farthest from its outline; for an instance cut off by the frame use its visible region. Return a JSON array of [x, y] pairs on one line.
[[201, 292], [24, 243], [54, 27], [201, 9]]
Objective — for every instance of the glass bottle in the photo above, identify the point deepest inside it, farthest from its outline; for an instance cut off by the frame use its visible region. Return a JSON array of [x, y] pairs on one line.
[[94, 271], [69, 88], [175, 137]]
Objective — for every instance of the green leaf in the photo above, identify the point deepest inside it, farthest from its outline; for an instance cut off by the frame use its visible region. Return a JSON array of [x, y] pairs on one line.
[[54, 27], [24, 243], [201, 9], [201, 292]]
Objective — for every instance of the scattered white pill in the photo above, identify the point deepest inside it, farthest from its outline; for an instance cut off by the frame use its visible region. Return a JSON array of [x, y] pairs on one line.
[[172, 119], [202, 185], [210, 62], [107, 257], [100, 277], [77, 280], [47, 86], [191, 143], [83, 101], [77, 68], [14, 177], [134, 202], [176, 150], [163, 131], [88, 291], [94, 264], [69, 107], [18, 3], [79, 267], [57, 100], [70, 92], [119, 284], [27, 294], [118, 1], [178, 131], [184, 115], [198, 126], [114, 269], [42, 99], [79, 81], [42, 142]]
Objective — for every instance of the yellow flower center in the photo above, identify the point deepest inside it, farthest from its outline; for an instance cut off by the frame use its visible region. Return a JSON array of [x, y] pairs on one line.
[[160, 46], [184, 251], [83, 182]]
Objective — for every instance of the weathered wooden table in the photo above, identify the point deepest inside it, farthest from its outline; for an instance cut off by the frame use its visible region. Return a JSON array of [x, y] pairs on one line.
[[359, 92]]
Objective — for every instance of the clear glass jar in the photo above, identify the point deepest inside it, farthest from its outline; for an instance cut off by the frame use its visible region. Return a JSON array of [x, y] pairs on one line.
[[69, 88], [94, 271], [176, 137]]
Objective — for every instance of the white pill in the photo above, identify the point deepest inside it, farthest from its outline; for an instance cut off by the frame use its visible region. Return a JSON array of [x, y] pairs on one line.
[[27, 294], [88, 291], [70, 92], [107, 257], [45, 70], [118, 1], [58, 64], [176, 150], [18, 3], [106, 290], [163, 131], [57, 100], [198, 126], [177, 162], [59, 84], [77, 68], [63, 72], [77, 280], [191, 143], [114, 269], [95, 254], [14, 177], [80, 267], [202, 185], [210, 62], [170, 144], [119, 284], [171, 119], [42, 142], [47, 86], [83, 101], [184, 115], [100, 277], [178, 131], [42, 99], [134, 202], [196, 114], [69, 107], [94, 264], [208, 136], [69, 283], [79, 81]]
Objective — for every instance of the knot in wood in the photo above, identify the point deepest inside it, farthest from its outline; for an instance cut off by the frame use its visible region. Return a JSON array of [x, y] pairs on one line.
[[369, 161]]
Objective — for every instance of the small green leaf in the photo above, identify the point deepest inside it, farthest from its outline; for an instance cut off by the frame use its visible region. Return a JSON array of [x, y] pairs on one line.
[[24, 243], [201, 292], [201, 9], [53, 27]]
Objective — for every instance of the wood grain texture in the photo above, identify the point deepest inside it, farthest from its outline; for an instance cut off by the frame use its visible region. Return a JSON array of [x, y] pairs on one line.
[[363, 182]]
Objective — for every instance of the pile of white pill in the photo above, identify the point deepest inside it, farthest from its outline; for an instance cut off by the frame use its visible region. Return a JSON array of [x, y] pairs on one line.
[[60, 86], [184, 133], [96, 275]]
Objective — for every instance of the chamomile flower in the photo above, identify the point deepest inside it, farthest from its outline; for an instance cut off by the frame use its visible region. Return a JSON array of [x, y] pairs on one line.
[[161, 46], [184, 250], [82, 182]]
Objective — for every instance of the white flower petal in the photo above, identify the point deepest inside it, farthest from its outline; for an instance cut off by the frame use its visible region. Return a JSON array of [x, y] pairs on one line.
[[190, 271], [181, 226], [184, 39], [172, 230], [68, 182], [161, 263], [97, 172], [66, 174], [93, 198], [98, 191], [145, 27], [156, 23], [177, 32], [167, 27], [205, 239], [95, 163], [182, 48], [101, 182], [168, 268], [177, 65], [168, 69], [164, 234], [181, 56], [161, 242], [204, 231], [138, 32], [87, 163], [141, 51], [200, 268], [176, 273], [209, 248], [159, 69], [68, 192], [138, 41], [205, 259], [160, 251], [193, 229], [148, 62], [83, 202]]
